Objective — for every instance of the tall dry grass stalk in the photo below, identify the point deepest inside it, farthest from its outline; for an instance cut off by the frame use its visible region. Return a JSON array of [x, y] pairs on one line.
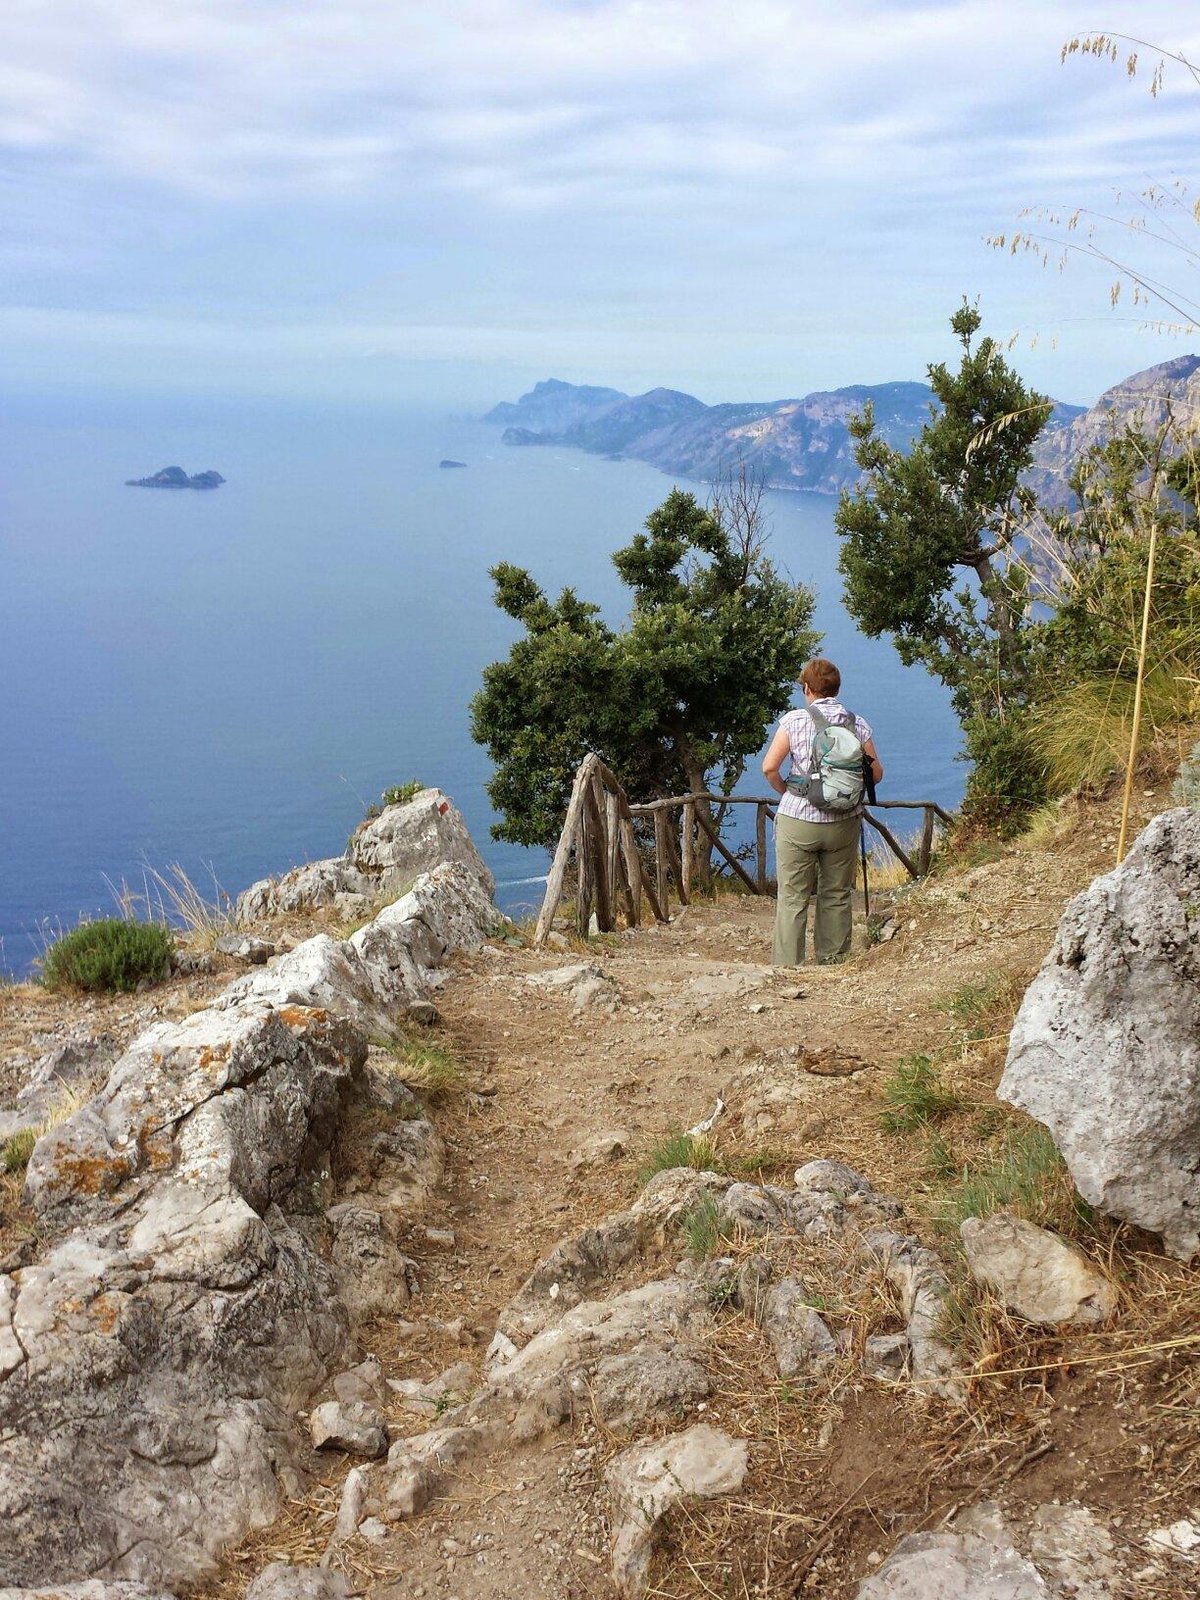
[[174, 898]]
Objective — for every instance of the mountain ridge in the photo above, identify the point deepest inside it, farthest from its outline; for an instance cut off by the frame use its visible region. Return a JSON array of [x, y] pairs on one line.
[[804, 443]]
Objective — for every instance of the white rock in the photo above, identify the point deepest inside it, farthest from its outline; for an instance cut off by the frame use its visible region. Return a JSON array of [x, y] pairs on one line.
[[1106, 1047], [385, 857], [283, 1581], [589, 986], [1182, 1538], [954, 1566], [1074, 1552], [315, 884], [350, 1509], [645, 1481], [89, 1589], [600, 1149], [352, 1426], [801, 1341], [404, 841], [1036, 1274]]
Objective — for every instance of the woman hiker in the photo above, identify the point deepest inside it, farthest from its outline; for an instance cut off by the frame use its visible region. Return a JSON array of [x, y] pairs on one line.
[[816, 851]]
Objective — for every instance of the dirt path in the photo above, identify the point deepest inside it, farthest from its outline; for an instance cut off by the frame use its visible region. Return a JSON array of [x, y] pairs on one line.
[[676, 1017]]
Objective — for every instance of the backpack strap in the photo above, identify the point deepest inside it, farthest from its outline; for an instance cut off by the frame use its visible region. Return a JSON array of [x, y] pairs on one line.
[[820, 723]]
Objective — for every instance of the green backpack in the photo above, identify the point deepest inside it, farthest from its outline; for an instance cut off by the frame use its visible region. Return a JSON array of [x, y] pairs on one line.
[[836, 777]]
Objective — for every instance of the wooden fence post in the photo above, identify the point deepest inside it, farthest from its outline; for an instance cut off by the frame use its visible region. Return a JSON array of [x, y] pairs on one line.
[[662, 856], [687, 851]]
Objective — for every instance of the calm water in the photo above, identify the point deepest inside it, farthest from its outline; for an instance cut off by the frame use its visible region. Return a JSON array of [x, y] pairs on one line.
[[225, 679]]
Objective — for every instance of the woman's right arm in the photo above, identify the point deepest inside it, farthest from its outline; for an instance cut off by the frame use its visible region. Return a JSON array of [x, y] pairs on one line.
[[777, 753]]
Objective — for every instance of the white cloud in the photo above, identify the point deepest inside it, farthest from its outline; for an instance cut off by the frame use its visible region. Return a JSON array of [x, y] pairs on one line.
[[252, 98]]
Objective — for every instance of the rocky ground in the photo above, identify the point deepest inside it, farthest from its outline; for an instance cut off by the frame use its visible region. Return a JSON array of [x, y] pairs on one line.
[[564, 1074]]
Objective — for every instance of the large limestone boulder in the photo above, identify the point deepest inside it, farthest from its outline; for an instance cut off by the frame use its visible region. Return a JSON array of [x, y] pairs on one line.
[[372, 978], [384, 858], [151, 1358], [397, 846], [1106, 1047]]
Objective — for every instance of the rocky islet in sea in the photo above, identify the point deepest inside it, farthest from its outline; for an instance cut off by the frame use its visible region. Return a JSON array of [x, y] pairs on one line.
[[177, 478]]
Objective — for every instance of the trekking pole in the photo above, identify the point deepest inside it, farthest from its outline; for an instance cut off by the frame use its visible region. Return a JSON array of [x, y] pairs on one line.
[[862, 839]]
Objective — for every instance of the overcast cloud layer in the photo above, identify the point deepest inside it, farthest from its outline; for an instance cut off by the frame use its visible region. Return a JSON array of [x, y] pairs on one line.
[[376, 198]]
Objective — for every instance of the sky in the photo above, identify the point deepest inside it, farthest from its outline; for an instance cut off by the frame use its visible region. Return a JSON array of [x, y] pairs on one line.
[[381, 200]]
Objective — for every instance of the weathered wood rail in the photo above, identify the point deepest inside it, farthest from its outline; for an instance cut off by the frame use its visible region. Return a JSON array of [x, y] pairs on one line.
[[600, 837]]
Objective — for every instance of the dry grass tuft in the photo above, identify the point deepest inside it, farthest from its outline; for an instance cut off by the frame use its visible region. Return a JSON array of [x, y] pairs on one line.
[[429, 1068], [681, 1150], [173, 898]]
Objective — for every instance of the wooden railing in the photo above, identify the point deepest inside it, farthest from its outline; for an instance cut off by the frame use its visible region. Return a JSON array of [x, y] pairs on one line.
[[600, 836]]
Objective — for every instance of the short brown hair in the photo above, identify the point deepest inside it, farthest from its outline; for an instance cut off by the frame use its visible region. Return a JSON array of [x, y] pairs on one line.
[[822, 677]]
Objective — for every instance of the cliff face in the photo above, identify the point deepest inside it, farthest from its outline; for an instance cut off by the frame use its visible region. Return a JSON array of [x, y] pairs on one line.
[[1143, 401]]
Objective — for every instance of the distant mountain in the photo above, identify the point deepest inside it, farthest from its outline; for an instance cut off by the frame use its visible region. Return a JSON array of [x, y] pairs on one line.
[[795, 444], [177, 478], [1143, 401], [553, 406]]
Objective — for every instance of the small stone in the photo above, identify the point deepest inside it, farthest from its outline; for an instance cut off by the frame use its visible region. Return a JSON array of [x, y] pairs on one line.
[[1035, 1273], [245, 947], [364, 1382], [373, 1529], [799, 1337], [283, 1581], [646, 1480], [353, 1426], [424, 1013], [885, 1357], [441, 1238], [601, 1149]]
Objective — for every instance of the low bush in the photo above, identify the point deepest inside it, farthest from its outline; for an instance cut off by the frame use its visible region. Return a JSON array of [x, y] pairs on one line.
[[701, 1228], [431, 1069], [1027, 1177], [109, 955]]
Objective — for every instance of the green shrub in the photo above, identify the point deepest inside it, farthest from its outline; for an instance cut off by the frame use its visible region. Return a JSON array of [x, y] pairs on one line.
[[916, 1096], [401, 793], [108, 955], [430, 1068]]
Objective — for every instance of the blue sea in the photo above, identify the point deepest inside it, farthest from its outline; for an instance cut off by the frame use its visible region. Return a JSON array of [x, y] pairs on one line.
[[226, 679]]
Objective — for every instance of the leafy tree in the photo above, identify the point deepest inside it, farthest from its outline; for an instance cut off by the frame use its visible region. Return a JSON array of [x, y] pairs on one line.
[[681, 694], [931, 554]]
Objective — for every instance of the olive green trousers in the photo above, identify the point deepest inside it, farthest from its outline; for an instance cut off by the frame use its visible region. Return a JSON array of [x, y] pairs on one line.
[[814, 862]]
